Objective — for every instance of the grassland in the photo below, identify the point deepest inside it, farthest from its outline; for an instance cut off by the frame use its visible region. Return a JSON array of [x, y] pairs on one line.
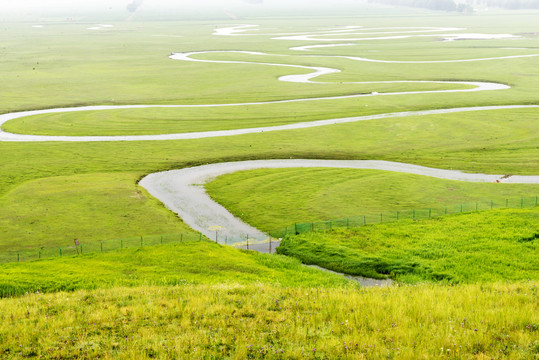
[[488, 246], [467, 145], [168, 302], [270, 198], [89, 68], [497, 321], [191, 262]]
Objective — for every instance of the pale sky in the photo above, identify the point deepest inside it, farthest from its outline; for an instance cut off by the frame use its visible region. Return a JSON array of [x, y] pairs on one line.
[[8, 5], [116, 9]]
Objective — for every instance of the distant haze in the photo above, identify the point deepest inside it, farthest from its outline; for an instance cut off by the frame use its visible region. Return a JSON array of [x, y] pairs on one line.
[[116, 5]]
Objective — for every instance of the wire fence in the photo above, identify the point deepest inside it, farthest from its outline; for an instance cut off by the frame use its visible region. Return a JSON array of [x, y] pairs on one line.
[[414, 214], [274, 236], [98, 246]]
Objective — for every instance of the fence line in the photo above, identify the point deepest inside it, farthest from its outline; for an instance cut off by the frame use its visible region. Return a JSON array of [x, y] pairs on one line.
[[413, 214], [100, 246], [276, 235]]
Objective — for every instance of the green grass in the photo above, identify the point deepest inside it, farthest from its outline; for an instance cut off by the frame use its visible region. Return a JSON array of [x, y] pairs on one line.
[[190, 262], [269, 306], [45, 196], [275, 198], [467, 144], [488, 246], [257, 321], [89, 207]]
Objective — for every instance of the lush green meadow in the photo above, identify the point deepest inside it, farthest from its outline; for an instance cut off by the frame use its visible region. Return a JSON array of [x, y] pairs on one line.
[[128, 64], [202, 300], [270, 198], [190, 262], [494, 245]]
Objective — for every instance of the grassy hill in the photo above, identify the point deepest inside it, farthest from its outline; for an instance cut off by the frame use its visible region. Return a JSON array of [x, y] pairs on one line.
[[495, 245]]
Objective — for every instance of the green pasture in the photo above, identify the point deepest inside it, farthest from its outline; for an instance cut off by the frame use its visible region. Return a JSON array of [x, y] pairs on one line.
[[233, 321], [271, 198], [89, 207], [65, 64], [500, 142], [199, 299], [190, 262], [52, 192], [488, 246]]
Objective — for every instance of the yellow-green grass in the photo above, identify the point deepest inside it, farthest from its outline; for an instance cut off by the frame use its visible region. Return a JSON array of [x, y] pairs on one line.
[[188, 262], [275, 198], [487, 246], [258, 321]]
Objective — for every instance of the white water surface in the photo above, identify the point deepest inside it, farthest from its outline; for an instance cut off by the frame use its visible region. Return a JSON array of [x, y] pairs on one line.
[[5, 136]]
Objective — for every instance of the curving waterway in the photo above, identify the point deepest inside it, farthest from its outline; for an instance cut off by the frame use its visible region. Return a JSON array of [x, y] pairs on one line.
[[182, 191], [325, 35]]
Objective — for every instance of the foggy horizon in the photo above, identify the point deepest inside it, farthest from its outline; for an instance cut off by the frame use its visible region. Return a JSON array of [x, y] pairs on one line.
[[117, 7]]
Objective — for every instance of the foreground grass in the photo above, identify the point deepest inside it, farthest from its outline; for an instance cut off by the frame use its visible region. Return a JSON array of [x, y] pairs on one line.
[[497, 321], [182, 263], [486, 246]]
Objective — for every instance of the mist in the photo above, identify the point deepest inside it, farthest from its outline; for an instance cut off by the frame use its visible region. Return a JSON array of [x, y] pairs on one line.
[[164, 8]]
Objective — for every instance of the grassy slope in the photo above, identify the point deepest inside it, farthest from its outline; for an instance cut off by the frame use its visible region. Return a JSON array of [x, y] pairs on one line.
[[174, 264], [466, 248], [262, 321], [275, 198], [89, 207]]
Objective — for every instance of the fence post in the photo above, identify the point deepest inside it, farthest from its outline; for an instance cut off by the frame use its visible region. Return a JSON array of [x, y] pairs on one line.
[[364, 220], [348, 223], [381, 218], [101, 245], [460, 207], [81, 249], [445, 210], [226, 239], [270, 246], [247, 236], [296, 228], [181, 237], [200, 237], [312, 227], [216, 237], [18, 257], [141, 242], [60, 251], [39, 254]]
